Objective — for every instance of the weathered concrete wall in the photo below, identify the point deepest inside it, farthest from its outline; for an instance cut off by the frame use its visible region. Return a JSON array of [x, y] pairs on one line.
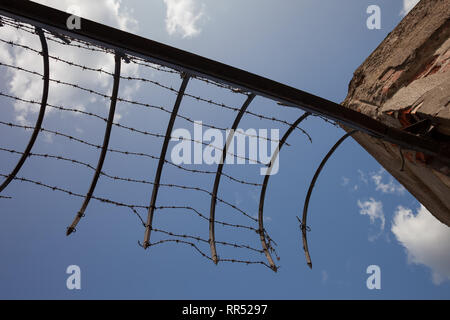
[[406, 80]]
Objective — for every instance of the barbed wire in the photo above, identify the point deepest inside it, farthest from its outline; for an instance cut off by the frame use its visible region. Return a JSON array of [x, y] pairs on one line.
[[226, 224], [117, 178], [193, 245], [199, 239], [145, 63], [156, 67], [134, 209], [124, 152], [78, 195], [134, 103], [198, 98], [55, 37], [140, 154], [50, 156], [333, 123], [203, 216], [100, 70], [156, 135], [134, 59]]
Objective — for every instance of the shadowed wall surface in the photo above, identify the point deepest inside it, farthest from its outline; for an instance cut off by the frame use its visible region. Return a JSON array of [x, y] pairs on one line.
[[405, 83]]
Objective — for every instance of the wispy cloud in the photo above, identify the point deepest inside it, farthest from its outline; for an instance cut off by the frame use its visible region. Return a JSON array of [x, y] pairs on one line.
[[29, 87], [407, 6], [390, 187], [373, 209], [362, 176], [183, 17]]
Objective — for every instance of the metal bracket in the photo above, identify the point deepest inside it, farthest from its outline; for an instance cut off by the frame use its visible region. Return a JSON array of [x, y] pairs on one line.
[[162, 158], [98, 170], [212, 237], [261, 229], [40, 119]]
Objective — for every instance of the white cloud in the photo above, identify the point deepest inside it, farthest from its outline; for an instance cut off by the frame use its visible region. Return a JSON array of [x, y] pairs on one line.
[[362, 176], [373, 209], [390, 188], [345, 181], [426, 240], [407, 6], [29, 87], [109, 12], [183, 17]]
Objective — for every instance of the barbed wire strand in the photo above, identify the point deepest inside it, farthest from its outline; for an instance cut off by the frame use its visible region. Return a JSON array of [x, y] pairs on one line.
[[100, 70], [91, 167], [134, 59], [50, 156], [211, 102], [78, 195], [134, 209], [193, 245]]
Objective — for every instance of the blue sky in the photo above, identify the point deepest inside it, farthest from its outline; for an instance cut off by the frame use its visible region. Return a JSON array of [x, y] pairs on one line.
[[359, 215]]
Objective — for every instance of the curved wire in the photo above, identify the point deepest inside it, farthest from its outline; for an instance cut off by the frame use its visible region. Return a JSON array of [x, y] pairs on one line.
[[212, 212], [151, 209], [40, 119], [304, 227], [261, 230], [112, 111]]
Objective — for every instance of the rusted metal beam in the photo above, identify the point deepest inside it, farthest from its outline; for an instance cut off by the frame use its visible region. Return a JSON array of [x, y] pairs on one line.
[[40, 119], [162, 158], [101, 160], [304, 226], [261, 230], [212, 212]]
